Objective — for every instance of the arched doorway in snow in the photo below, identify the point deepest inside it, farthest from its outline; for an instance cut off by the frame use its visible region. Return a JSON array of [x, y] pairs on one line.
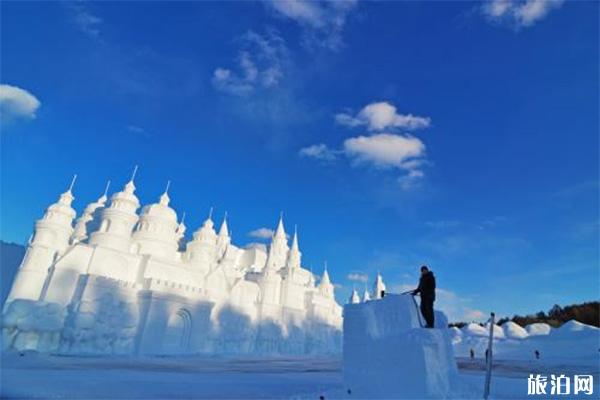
[[177, 333]]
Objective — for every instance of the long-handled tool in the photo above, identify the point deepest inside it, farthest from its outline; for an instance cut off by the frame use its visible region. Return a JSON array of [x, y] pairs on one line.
[[416, 306]]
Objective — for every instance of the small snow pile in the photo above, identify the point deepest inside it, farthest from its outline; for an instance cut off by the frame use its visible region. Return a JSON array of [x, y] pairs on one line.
[[498, 332], [514, 331], [32, 325], [456, 335], [474, 329], [538, 329], [388, 355]]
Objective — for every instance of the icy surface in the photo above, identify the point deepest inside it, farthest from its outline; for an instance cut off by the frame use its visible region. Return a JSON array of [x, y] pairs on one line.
[[44, 376]]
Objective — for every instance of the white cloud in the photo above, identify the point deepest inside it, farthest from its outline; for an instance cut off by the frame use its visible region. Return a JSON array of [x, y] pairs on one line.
[[385, 150], [260, 64], [519, 13], [456, 308], [357, 277], [318, 151], [261, 233], [323, 20], [382, 150], [17, 103], [382, 115]]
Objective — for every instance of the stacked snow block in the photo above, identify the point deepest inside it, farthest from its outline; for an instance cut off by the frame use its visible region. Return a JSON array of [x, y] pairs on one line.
[[32, 325], [387, 354]]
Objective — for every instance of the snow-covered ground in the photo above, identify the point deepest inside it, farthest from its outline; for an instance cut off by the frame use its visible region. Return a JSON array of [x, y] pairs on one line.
[[44, 376]]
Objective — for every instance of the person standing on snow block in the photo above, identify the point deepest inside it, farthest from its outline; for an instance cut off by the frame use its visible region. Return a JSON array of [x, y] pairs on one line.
[[427, 290]]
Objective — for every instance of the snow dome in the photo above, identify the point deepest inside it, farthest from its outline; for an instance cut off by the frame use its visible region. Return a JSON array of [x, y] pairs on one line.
[[538, 328], [513, 330]]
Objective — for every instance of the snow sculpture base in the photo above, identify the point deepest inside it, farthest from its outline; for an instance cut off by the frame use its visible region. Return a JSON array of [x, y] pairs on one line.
[[388, 355]]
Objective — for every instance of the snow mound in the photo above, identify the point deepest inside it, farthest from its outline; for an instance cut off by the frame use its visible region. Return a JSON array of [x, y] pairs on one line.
[[574, 329], [514, 331], [576, 326], [474, 329], [498, 331], [388, 355], [538, 329]]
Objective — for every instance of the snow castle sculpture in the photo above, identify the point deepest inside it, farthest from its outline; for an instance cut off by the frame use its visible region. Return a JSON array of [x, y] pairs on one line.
[[387, 355], [115, 281]]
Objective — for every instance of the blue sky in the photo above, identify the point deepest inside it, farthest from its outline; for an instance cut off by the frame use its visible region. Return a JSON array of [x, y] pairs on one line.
[[460, 135]]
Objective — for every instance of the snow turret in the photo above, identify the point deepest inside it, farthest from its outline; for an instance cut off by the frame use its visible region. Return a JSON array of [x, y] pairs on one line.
[[378, 287], [202, 249], [279, 249], [55, 228], [156, 232], [270, 279], [325, 286], [89, 221], [50, 239], [354, 299], [118, 220]]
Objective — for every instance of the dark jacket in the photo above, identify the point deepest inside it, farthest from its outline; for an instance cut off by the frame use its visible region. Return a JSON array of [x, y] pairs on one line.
[[426, 286]]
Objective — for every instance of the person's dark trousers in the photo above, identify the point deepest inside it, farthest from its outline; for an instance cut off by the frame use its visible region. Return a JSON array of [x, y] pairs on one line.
[[427, 310]]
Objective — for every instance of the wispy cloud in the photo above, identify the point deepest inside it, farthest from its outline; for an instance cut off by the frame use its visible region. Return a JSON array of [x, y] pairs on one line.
[[357, 277], [380, 116], [138, 130], [319, 151], [84, 19], [261, 233], [442, 224], [260, 64], [16, 103], [518, 13], [323, 21]]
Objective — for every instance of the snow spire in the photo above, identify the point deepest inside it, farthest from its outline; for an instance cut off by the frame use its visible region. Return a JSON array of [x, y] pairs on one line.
[[354, 299], [366, 295], [325, 285], [164, 198], [325, 278], [295, 240], [379, 286], [130, 186], [67, 197], [208, 223], [181, 227], [72, 183], [224, 230], [294, 254], [104, 196], [280, 231]]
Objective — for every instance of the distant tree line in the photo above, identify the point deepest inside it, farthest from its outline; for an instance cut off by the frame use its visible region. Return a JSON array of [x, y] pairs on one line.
[[587, 313]]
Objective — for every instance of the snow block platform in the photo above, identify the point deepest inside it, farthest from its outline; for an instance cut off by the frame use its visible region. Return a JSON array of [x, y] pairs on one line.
[[388, 355]]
